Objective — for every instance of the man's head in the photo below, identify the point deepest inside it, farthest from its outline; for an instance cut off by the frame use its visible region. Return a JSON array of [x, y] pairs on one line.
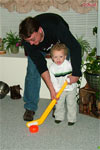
[[31, 31]]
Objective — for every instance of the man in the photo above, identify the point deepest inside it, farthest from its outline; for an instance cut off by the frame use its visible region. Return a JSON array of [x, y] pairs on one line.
[[38, 35]]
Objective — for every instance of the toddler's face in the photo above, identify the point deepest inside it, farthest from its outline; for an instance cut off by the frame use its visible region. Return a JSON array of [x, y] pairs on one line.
[[58, 57]]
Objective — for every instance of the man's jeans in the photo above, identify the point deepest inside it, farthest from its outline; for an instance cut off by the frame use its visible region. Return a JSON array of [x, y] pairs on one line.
[[32, 87]]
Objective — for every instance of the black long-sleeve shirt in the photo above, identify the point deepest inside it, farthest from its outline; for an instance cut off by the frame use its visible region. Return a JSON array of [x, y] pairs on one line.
[[55, 29]]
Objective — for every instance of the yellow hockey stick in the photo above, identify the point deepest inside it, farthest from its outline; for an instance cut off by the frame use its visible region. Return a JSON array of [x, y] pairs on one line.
[[48, 109]]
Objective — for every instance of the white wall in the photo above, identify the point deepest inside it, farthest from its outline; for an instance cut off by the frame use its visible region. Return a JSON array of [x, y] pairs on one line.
[[13, 69]]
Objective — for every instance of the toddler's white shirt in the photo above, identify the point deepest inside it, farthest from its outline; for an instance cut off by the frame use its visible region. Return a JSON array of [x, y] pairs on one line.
[[59, 73]]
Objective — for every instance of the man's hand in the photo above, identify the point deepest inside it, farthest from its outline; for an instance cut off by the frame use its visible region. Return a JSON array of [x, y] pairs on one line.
[[73, 79], [53, 94], [46, 77]]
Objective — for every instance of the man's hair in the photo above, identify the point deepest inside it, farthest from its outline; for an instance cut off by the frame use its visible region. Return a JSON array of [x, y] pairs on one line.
[[59, 47], [27, 27]]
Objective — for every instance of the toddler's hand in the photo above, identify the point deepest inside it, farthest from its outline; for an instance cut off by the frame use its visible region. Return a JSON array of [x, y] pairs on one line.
[[68, 80]]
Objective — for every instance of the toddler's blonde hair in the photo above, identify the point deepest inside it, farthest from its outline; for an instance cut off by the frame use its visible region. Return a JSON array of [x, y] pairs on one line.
[[59, 47]]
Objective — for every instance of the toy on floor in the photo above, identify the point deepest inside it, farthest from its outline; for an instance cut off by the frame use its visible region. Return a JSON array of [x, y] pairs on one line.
[[4, 89], [33, 128], [32, 124]]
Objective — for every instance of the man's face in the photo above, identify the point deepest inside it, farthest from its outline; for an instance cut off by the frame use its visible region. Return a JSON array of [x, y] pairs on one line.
[[36, 37]]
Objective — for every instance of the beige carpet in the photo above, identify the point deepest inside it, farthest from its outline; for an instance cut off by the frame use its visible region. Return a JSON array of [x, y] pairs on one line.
[[14, 135]]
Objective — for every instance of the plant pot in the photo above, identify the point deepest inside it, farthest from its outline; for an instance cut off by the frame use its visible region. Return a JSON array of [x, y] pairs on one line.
[[2, 52], [14, 49], [93, 80]]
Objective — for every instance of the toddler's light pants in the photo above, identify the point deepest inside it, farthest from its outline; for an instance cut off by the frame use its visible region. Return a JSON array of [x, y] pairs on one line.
[[68, 98]]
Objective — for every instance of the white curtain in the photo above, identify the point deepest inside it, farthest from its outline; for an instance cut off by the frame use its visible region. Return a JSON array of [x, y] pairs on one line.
[[24, 6]]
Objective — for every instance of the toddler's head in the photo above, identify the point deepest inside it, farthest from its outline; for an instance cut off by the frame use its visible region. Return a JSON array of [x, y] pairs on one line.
[[58, 53]]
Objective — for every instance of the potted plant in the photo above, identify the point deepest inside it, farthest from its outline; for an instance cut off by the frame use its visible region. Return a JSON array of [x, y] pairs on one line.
[[12, 42], [2, 51], [85, 46], [89, 102], [90, 65], [92, 68], [92, 72]]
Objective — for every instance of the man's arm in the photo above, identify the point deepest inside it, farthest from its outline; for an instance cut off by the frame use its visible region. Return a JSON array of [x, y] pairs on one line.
[[66, 37], [46, 77]]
